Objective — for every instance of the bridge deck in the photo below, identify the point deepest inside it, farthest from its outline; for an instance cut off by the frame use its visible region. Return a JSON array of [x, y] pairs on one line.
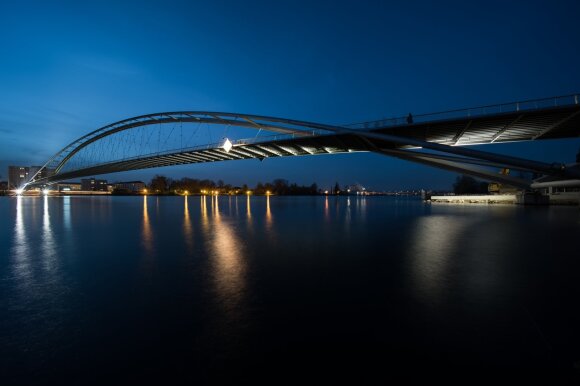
[[561, 122], [549, 123]]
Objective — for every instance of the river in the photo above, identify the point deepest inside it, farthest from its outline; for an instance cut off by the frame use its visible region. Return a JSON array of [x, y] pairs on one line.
[[284, 289]]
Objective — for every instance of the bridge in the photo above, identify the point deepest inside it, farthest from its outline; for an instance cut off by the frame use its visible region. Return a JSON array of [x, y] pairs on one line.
[[440, 140]]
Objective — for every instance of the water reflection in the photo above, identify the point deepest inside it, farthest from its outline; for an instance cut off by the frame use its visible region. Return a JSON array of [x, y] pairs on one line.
[[21, 249], [347, 217], [66, 213], [268, 213], [215, 208], [48, 247], [203, 205], [248, 209], [147, 233], [227, 252], [187, 228], [361, 207], [433, 247], [229, 267]]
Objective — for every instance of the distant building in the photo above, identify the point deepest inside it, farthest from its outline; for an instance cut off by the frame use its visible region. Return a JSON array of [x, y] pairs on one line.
[[43, 174], [68, 186], [131, 186], [356, 189], [94, 185], [18, 176]]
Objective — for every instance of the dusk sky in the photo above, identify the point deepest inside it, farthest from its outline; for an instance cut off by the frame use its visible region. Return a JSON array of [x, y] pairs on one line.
[[71, 67]]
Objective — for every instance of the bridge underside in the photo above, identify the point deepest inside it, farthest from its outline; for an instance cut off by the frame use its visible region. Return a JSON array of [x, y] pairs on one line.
[[553, 123], [330, 144], [439, 143]]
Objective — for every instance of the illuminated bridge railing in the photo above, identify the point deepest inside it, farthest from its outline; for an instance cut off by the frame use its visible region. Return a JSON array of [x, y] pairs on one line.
[[475, 112]]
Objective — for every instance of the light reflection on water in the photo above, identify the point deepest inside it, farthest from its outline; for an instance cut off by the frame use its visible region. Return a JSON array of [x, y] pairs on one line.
[[147, 234], [347, 217], [308, 281], [187, 227], [21, 249], [66, 211], [48, 247], [268, 214], [432, 247], [226, 252]]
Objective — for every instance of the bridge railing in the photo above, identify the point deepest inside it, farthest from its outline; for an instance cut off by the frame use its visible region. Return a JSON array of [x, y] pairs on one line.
[[475, 112]]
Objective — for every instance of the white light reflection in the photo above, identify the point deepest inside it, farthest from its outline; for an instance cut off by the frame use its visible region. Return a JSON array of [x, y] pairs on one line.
[[362, 207], [66, 213], [433, 246], [21, 250], [347, 217], [48, 247]]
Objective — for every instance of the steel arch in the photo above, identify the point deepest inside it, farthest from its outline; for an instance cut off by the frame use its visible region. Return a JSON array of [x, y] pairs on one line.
[[382, 139]]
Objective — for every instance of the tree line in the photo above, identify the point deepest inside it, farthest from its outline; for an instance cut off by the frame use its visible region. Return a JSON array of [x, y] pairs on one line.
[[165, 185]]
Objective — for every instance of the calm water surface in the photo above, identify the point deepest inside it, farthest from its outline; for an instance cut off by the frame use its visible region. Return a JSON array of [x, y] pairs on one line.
[[300, 289]]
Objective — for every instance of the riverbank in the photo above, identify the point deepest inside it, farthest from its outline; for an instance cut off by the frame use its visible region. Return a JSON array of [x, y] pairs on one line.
[[510, 199]]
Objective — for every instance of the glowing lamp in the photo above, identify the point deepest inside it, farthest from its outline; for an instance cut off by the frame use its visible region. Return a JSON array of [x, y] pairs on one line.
[[19, 191], [45, 192], [227, 145]]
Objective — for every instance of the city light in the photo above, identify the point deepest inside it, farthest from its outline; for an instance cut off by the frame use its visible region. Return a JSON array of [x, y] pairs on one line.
[[227, 145], [186, 192], [249, 192], [19, 191], [268, 193], [45, 192], [144, 191]]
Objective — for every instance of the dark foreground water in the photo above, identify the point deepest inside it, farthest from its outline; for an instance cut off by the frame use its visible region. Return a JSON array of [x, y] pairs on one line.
[[285, 290]]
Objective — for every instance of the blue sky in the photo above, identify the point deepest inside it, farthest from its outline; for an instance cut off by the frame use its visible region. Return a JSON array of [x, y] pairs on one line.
[[68, 68]]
